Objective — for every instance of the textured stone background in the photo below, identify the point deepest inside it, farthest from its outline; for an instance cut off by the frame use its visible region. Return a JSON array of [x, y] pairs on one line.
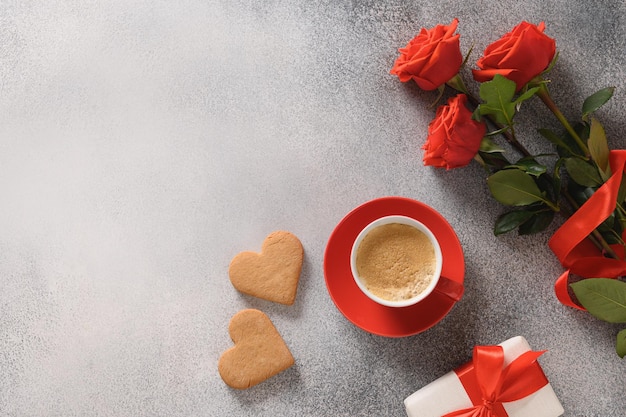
[[144, 143]]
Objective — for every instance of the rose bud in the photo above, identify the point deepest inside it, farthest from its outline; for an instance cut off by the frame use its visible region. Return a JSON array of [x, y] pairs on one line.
[[431, 58], [520, 55], [453, 136]]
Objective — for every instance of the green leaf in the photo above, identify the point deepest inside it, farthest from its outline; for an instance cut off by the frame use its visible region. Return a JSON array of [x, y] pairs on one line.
[[610, 232], [599, 148], [555, 139], [582, 172], [514, 187], [497, 96], [493, 132], [597, 100], [511, 221], [556, 182], [621, 221], [547, 187], [502, 114], [566, 144], [620, 344], [579, 193], [526, 95], [605, 298], [537, 223], [495, 160], [621, 192], [530, 166], [457, 83], [499, 90], [489, 146]]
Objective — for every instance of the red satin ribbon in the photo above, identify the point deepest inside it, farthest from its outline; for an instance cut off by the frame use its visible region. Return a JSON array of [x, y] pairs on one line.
[[489, 384], [570, 244]]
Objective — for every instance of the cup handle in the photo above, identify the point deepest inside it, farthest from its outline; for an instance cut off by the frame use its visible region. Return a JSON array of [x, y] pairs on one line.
[[450, 288]]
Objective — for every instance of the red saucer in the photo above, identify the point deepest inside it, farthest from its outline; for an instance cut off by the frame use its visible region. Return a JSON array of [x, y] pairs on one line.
[[361, 310]]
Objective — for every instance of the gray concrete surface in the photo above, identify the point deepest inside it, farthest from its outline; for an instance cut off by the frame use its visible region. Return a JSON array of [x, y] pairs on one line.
[[145, 143]]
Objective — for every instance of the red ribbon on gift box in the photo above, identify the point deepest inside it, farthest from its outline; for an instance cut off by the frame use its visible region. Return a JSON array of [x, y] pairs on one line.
[[489, 383], [576, 253]]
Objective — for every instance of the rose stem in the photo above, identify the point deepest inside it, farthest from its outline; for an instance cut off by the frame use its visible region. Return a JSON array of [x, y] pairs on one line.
[[595, 237], [544, 95]]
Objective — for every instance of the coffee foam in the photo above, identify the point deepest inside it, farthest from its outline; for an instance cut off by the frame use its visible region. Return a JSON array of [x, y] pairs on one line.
[[396, 261]]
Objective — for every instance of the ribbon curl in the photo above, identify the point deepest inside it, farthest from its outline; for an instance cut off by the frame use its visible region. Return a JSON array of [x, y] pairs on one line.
[[489, 384], [576, 253]]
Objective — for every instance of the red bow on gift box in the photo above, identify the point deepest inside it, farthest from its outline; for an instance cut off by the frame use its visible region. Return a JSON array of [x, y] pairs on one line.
[[489, 383], [576, 253]]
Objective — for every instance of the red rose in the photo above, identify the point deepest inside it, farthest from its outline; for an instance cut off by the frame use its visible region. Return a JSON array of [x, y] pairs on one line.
[[520, 55], [453, 136], [431, 58]]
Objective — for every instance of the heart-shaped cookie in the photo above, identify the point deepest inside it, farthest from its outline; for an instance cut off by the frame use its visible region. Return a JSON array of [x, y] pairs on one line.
[[259, 352], [272, 274]]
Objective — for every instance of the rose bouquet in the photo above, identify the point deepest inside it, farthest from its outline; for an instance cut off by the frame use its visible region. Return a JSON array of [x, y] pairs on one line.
[[582, 179]]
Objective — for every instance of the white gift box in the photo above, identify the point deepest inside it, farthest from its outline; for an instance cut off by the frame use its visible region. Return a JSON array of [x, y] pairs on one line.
[[447, 393]]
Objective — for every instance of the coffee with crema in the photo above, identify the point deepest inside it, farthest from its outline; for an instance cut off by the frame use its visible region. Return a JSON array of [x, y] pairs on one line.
[[396, 261]]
